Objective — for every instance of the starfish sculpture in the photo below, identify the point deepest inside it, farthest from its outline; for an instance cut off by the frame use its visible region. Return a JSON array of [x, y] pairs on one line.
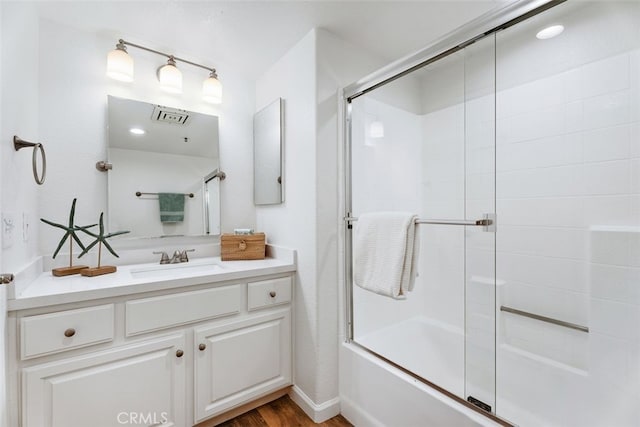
[[101, 238], [70, 232]]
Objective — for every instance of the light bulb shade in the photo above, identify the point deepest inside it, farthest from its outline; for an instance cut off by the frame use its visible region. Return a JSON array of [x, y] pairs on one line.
[[170, 78], [120, 65], [212, 90]]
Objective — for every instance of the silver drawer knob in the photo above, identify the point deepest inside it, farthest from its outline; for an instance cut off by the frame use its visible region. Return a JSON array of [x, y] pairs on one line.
[[272, 294], [202, 347], [179, 353], [69, 332]]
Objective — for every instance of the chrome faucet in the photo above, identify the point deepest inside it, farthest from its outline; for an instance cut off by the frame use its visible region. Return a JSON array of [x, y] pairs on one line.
[[183, 255], [178, 257], [164, 258]]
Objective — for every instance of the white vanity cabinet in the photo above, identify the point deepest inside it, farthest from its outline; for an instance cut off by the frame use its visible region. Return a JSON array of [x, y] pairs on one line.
[[174, 357], [109, 388], [239, 361]]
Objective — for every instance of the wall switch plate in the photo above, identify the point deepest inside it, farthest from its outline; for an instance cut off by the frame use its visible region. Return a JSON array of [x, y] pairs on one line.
[[8, 229]]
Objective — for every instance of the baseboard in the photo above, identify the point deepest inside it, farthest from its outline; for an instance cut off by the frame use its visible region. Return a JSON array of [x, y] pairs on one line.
[[318, 413], [356, 415]]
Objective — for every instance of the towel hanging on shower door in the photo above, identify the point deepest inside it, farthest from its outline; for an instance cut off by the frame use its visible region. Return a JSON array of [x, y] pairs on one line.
[[386, 250]]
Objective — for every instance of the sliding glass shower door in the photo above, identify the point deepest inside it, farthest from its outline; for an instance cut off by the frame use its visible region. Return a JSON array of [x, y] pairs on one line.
[[533, 129], [425, 143], [568, 204]]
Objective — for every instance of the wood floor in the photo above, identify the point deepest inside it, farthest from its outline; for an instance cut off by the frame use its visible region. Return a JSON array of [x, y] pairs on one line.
[[281, 412]]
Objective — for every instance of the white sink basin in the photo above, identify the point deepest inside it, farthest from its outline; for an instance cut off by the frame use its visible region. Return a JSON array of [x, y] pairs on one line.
[[175, 270]]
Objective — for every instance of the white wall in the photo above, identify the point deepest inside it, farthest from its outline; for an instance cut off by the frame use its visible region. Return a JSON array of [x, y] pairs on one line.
[[20, 116], [292, 223], [58, 97], [308, 78], [73, 123]]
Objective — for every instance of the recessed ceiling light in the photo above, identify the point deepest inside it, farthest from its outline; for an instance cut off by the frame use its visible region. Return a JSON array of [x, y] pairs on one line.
[[137, 131], [550, 32]]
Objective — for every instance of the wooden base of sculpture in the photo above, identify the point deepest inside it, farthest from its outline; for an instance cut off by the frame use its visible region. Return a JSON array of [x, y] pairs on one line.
[[98, 271], [68, 271]]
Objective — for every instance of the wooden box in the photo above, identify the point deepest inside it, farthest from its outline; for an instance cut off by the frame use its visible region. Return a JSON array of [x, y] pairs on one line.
[[236, 247]]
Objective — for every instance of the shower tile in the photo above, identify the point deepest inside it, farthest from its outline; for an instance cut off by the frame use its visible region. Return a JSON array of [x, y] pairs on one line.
[[608, 177], [574, 116], [606, 76], [635, 208], [557, 212], [635, 139], [558, 273], [547, 182], [635, 176], [615, 319], [551, 302], [609, 210], [615, 246], [607, 144], [551, 242], [536, 124], [608, 357], [549, 151], [607, 110], [620, 284], [531, 97], [480, 160]]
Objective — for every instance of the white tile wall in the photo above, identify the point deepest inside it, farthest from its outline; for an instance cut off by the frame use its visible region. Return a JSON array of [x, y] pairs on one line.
[[568, 241]]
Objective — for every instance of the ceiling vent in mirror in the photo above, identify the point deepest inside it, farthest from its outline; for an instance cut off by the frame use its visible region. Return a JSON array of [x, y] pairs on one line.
[[169, 115]]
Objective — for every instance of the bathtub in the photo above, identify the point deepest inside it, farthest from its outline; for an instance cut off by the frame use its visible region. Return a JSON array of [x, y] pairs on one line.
[[376, 393]]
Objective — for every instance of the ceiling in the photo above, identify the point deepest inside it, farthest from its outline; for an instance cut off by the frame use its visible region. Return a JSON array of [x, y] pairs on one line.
[[249, 36]]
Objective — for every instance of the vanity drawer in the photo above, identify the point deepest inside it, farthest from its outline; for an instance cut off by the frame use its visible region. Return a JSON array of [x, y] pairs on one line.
[[150, 314], [65, 330], [267, 293]]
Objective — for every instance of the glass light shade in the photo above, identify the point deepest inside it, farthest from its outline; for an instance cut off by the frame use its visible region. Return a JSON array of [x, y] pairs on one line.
[[170, 79], [120, 65], [376, 129], [212, 90], [550, 32]]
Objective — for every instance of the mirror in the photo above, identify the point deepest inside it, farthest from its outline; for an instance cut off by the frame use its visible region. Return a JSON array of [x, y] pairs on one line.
[[155, 149], [267, 155]]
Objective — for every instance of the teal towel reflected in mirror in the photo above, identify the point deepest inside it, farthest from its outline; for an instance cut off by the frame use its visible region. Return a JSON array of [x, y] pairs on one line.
[[171, 207]]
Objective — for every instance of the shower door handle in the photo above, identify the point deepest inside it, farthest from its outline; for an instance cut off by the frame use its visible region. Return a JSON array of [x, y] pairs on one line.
[[488, 221]]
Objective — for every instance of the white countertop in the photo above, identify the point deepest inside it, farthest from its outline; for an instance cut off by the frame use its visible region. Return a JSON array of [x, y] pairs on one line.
[[48, 290]]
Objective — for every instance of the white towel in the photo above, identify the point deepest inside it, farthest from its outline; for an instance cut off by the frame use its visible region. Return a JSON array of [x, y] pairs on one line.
[[386, 253]]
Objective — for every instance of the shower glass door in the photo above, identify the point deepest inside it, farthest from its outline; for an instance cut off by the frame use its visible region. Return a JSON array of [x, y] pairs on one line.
[[425, 143], [568, 205]]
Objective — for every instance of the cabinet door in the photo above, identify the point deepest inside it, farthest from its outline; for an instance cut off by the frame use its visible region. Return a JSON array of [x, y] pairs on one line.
[[238, 362], [141, 384]]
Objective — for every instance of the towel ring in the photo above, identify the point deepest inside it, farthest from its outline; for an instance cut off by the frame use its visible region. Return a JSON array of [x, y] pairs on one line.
[[19, 144]]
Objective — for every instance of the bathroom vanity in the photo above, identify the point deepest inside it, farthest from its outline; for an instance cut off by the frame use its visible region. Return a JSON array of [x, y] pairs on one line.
[[169, 345]]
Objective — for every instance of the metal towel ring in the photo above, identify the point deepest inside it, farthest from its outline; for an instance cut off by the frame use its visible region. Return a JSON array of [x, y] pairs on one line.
[[19, 143]]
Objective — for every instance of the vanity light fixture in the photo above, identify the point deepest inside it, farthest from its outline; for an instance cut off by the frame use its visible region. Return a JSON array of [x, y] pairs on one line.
[[212, 89], [170, 77], [120, 64], [120, 67]]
